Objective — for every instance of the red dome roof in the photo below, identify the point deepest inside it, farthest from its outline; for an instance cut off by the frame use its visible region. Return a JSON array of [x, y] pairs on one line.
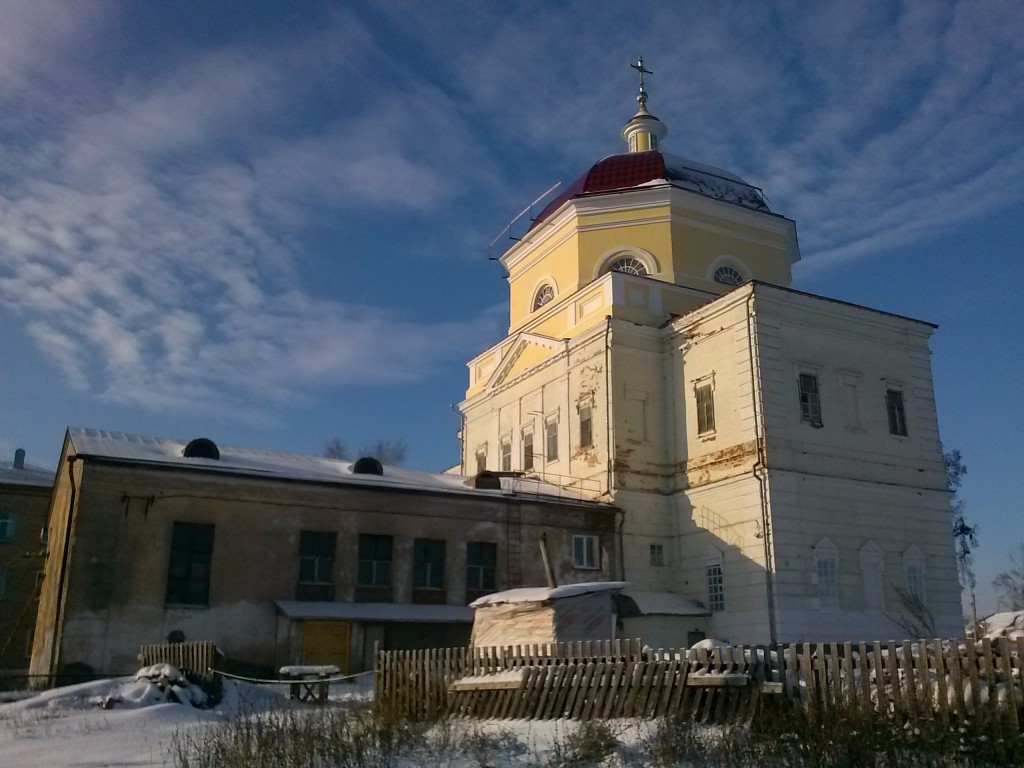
[[635, 169]]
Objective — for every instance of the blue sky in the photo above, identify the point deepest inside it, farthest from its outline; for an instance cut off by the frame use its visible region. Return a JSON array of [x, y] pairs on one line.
[[268, 223]]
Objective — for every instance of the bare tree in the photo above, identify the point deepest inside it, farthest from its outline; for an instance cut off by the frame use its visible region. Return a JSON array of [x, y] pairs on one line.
[[965, 536], [1009, 584], [336, 449], [914, 617], [387, 452]]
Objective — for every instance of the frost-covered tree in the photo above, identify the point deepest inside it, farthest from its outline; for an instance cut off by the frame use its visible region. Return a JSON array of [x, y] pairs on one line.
[[1009, 584]]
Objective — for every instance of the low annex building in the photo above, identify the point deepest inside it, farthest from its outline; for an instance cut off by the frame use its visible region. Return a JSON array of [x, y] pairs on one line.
[[24, 496], [286, 559]]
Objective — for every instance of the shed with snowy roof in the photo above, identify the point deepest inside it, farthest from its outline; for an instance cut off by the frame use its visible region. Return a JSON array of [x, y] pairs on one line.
[[530, 615]]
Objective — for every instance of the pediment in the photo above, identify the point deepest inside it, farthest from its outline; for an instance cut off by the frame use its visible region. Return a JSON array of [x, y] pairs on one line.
[[527, 351]]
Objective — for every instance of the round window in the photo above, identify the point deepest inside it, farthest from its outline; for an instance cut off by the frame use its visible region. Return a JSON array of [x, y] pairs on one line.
[[629, 265], [728, 276], [544, 294]]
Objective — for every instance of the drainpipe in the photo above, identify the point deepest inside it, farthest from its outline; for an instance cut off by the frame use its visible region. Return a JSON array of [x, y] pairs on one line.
[[761, 469], [608, 401], [58, 621], [548, 570], [462, 437], [620, 514]]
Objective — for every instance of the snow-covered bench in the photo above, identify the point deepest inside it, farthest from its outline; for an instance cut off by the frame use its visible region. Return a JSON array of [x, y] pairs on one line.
[[309, 683]]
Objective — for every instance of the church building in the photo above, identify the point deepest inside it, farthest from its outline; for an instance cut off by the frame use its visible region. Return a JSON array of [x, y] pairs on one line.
[[776, 454]]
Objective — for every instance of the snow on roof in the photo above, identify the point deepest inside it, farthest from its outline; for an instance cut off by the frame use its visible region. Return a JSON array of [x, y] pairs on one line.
[[1009, 624], [302, 609], [714, 182], [542, 594], [27, 475], [633, 170], [143, 449], [664, 604]]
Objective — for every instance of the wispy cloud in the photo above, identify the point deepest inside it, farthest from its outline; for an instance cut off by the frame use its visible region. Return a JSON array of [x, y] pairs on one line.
[[871, 124], [150, 214], [144, 236]]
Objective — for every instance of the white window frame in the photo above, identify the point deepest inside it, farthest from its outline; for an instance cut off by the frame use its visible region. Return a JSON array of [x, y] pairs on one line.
[[527, 441], [826, 575], [810, 402], [705, 383], [657, 553], [586, 552], [714, 580], [551, 438], [6, 526], [505, 453], [586, 411], [901, 425], [727, 270], [543, 295]]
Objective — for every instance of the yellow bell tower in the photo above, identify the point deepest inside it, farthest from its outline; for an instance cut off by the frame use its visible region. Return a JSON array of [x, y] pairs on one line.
[[644, 130], [686, 231]]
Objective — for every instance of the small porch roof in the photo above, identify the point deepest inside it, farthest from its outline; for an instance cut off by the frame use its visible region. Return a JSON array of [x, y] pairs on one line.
[[399, 612]]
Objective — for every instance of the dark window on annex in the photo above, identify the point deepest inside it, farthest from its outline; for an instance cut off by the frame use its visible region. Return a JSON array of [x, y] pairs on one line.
[[374, 571], [481, 562], [428, 571], [810, 400], [188, 575], [705, 409], [586, 426], [897, 413], [316, 565]]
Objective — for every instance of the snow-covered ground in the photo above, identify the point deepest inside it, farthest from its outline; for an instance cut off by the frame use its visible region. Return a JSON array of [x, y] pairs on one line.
[[117, 722], [133, 721]]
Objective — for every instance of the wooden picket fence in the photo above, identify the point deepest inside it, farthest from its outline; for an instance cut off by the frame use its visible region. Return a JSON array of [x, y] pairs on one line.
[[934, 679], [197, 658], [616, 678]]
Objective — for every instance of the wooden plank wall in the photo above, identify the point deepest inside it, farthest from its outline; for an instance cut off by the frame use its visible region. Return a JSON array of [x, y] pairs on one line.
[[930, 679], [197, 658]]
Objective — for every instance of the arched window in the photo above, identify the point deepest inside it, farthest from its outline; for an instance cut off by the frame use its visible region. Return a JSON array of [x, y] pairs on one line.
[[629, 265], [728, 276], [826, 574], [544, 294]]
